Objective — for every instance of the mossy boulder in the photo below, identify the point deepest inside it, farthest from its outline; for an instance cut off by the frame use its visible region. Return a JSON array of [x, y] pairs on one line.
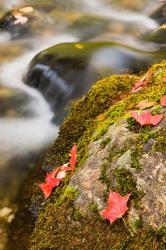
[[115, 153]]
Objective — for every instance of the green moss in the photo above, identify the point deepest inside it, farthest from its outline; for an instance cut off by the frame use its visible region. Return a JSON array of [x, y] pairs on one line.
[[103, 175], [135, 156], [105, 142], [160, 144], [133, 125], [70, 228], [71, 193], [136, 225], [93, 208], [125, 181]]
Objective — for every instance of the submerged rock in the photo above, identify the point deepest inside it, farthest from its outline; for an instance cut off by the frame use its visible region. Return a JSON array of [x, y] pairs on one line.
[[18, 21], [66, 71], [115, 153], [157, 36]]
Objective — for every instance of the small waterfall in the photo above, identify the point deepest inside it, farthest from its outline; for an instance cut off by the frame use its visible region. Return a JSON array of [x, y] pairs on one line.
[[23, 134]]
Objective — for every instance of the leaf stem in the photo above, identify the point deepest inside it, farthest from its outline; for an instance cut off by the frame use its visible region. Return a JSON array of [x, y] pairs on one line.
[[127, 227]]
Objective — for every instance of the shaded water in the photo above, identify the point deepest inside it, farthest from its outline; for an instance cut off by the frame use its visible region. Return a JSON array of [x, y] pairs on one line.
[[26, 128]]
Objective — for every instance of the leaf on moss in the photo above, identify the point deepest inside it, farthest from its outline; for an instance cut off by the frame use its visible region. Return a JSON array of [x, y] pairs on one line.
[[48, 186], [146, 118], [73, 157], [145, 104], [163, 101], [117, 206], [54, 178], [164, 79]]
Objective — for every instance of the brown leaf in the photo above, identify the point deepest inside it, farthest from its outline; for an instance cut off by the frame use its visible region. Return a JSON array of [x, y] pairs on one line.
[[145, 104]]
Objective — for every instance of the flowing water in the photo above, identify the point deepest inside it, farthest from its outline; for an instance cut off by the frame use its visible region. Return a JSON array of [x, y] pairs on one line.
[[26, 128]]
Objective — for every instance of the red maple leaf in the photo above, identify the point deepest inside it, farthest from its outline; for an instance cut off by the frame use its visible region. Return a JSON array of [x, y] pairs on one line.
[[73, 156], [50, 182], [49, 185], [146, 118], [53, 173], [117, 206], [163, 101], [164, 79], [138, 86], [46, 188], [53, 178]]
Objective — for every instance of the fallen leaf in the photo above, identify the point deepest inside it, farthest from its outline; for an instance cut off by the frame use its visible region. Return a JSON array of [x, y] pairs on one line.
[[46, 189], [163, 101], [117, 206], [145, 104], [146, 118], [164, 79], [53, 182], [50, 182], [48, 186], [73, 157], [138, 86], [53, 173], [68, 168], [54, 177]]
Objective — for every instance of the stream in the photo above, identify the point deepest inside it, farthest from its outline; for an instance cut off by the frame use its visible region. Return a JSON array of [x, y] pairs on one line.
[[27, 129]]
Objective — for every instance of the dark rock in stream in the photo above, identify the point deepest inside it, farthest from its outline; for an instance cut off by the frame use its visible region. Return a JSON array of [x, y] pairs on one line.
[[157, 36], [18, 21], [66, 71], [159, 14]]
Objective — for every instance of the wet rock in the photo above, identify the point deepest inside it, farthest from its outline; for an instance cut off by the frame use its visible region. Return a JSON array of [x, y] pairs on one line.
[[159, 14], [18, 21], [66, 71], [157, 36]]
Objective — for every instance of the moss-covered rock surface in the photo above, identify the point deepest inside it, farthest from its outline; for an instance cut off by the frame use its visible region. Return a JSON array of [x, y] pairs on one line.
[[115, 153]]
